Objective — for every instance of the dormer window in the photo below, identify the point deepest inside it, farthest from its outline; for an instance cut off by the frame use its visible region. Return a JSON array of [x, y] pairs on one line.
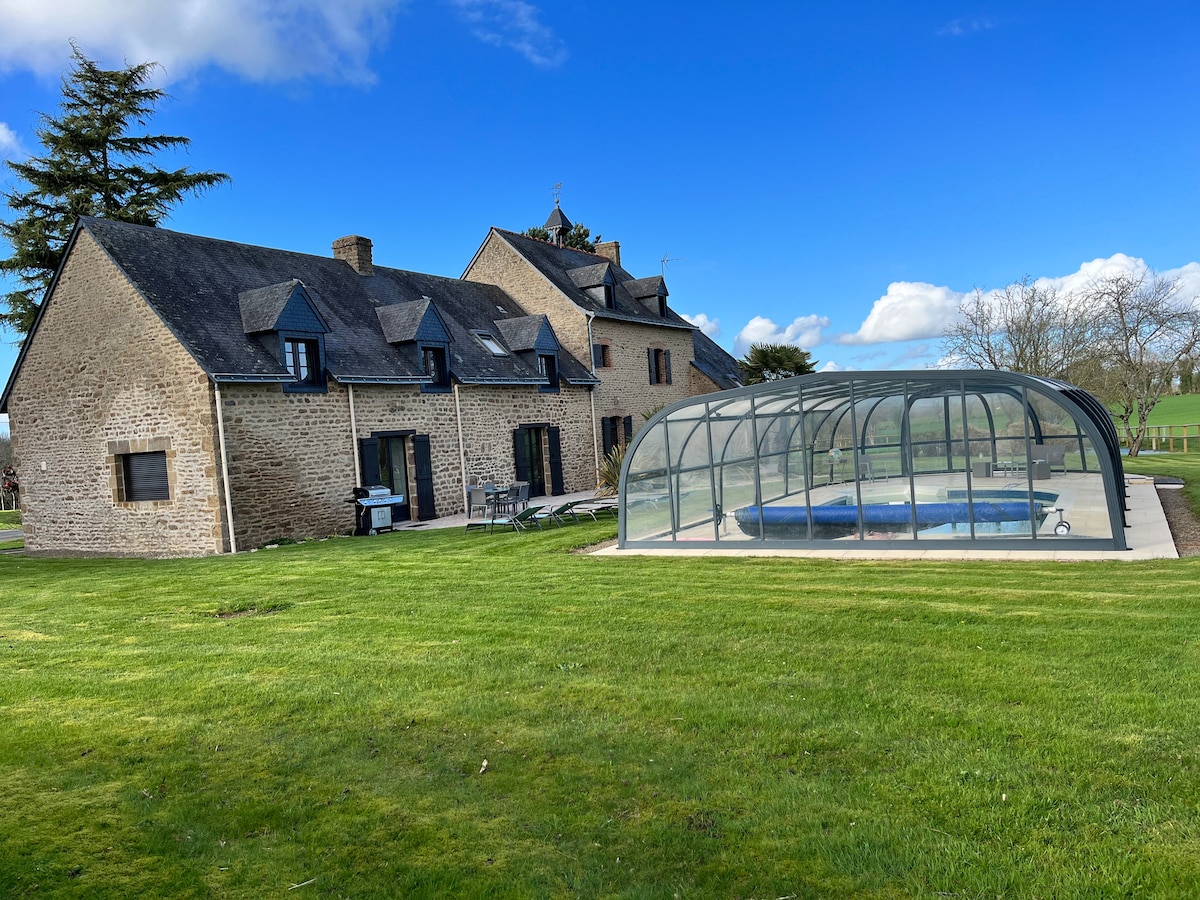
[[547, 364], [609, 300], [433, 360], [302, 356], [299, 357], [662, 305], [490, 344]]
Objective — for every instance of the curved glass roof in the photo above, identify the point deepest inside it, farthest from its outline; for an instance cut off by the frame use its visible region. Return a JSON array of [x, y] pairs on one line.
[[934, 458]]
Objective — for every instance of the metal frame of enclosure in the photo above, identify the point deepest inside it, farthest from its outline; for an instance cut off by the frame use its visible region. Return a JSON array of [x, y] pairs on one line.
[[933, 459]]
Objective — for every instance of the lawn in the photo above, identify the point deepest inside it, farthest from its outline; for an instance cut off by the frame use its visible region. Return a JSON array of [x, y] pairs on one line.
[[315, 720], [1180, 409]]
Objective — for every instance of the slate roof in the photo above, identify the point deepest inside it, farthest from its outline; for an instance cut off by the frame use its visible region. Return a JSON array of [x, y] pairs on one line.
[[556, 263], [194, 284], [714, 362], [558, 219]]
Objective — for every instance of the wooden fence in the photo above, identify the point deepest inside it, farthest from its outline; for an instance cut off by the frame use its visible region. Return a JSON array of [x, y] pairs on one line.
[[1167, 437]]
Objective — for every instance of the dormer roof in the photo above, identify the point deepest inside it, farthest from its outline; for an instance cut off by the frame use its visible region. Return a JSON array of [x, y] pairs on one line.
[[591, 276], [414, 320], [644, 288], [284, 306], [528, 333]]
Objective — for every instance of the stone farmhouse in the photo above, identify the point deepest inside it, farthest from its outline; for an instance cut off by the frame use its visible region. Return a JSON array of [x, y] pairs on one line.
[[181, 395]]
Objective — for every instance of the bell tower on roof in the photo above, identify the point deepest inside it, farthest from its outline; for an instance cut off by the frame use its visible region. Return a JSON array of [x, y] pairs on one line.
[[558, 224]]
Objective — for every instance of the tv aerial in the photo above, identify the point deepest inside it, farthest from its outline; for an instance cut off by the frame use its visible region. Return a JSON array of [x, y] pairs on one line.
[[667, 260]]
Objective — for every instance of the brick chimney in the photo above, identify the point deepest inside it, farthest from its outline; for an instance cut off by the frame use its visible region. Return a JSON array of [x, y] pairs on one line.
[[356, 251], [610, 250]]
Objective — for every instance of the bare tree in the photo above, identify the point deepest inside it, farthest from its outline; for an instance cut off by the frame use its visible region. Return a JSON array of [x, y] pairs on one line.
[[1022, 328], [1146, 329]]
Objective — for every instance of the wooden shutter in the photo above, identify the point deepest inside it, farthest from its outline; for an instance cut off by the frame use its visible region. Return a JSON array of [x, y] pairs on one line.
[[521, 455], [597, 356], [667, 364], [368, 456], [146, 476], [650, 359], [609, 432], [553, 438], [423, 463], [628, 423]]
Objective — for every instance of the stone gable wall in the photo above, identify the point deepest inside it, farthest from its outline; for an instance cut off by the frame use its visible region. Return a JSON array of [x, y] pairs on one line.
[[499, 264], [103, 376]]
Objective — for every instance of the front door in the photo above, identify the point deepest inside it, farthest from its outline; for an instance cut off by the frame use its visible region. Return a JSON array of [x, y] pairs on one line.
[[527, 454], [393, 474]]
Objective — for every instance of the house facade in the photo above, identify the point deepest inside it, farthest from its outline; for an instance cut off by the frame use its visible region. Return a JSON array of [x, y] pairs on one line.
[[181, 395], [644, 354]]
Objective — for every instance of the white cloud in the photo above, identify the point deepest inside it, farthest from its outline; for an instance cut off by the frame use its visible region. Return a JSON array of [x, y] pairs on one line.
[[513, 24], [910, 310], [831, 366], [916, 310], [263, 40], [962, 27], [805, 331], [711, 327], [10, 147]]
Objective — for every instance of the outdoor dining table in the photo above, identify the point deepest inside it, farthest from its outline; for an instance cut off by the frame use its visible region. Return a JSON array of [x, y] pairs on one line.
[[493, 494]]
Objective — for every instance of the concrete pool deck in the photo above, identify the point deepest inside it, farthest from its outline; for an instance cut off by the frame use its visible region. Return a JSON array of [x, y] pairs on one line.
[[1147, 535]]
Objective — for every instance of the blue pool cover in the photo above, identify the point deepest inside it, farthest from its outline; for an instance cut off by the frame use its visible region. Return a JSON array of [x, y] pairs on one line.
[[928, 514]]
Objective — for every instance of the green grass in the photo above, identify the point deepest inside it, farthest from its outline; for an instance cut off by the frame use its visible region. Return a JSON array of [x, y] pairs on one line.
[[319, 715], [10, 518], [1180, 409]]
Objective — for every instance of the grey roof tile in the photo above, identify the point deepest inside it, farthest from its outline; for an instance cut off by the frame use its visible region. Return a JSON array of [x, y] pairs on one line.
[[194, 284]]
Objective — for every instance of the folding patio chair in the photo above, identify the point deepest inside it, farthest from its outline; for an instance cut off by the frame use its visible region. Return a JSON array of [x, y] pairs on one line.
[[522, 521], [558, 514]]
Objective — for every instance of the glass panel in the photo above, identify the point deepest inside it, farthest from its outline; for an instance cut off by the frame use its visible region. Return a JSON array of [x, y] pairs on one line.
[[927, 431], [647, 516], [696, 508], [689, 443], [735, 486]]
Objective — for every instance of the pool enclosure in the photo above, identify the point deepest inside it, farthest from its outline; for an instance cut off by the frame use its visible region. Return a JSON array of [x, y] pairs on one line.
[[932, 458]]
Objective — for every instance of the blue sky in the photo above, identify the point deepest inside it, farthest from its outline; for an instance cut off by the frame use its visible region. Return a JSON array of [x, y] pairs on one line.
[[836, 175]]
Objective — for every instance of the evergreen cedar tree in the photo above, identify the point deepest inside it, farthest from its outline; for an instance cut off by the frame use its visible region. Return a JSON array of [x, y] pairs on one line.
[[772, 362], [90, 165], [578, 238]]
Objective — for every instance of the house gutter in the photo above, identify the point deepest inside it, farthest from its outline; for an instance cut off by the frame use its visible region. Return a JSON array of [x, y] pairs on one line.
[[462, 447], [354, 438], [592, 395], [225, 468]]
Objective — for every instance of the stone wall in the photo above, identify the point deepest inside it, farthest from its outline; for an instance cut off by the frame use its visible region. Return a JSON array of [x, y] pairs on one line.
[[625, 388], [103, 376], [292, 456]]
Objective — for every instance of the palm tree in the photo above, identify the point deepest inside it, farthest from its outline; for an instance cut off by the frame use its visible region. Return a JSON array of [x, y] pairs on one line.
[[771, 362]]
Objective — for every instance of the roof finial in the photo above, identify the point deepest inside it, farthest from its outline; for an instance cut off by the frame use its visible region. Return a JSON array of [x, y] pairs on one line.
[[556, 190]]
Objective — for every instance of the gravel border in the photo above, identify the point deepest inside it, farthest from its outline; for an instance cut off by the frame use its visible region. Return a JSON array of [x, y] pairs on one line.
[[1185, 527]]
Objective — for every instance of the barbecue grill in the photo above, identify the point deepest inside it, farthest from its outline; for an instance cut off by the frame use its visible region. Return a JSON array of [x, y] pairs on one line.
[[373, 508]]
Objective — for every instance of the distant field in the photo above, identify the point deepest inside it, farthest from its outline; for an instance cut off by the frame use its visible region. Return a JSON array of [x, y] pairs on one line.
[[1177, 410]]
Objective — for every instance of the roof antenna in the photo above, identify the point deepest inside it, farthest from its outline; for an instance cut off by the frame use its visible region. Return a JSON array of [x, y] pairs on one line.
[[666, 260]]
